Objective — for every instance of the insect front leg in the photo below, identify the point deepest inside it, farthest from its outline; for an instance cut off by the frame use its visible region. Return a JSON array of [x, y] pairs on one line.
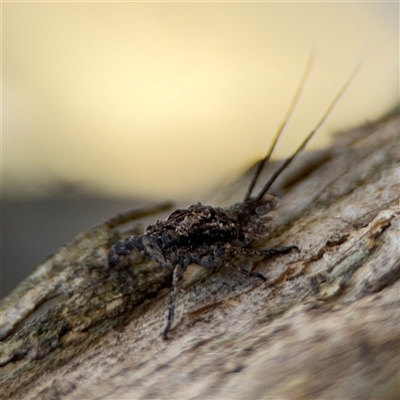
[[249, 273], [220, 253], [279, 250], [215, 261], [232, 250]]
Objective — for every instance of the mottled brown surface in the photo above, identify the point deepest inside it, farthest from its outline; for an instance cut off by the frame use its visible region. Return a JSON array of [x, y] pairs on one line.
[[325, 325]]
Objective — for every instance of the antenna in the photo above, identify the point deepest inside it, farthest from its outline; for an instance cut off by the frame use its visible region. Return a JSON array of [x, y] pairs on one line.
[[275, 175], [281, 128]]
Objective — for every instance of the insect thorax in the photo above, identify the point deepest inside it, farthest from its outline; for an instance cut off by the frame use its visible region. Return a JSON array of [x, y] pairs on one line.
[[203, 225]]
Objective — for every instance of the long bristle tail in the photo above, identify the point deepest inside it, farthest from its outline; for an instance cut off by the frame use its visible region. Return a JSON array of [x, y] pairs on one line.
[[281, 128], [310, 135]]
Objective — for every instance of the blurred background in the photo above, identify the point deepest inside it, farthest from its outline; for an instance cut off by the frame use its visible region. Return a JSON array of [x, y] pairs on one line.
[[106, 106]]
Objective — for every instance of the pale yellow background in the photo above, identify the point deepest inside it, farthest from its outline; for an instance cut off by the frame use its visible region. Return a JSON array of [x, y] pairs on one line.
[[168, 99]]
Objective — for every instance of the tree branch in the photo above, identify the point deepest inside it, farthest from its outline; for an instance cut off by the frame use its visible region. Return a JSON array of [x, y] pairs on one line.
[[325, 324]]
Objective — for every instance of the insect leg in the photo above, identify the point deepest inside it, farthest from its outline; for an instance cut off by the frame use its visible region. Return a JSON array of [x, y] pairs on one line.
[[178, 272], [123, 248], [248, 273], [279, 250], [216, 261], [151, 248], [265, 252], [232, 251]]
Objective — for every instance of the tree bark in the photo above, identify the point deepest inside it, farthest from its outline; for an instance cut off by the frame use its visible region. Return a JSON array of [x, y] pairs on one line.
[[325, 324]]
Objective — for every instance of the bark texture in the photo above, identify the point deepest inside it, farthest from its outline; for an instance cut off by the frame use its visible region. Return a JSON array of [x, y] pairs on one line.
[[325, 325]]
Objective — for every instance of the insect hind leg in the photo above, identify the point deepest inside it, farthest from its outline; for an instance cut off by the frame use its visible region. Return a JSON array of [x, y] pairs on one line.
[[124, 248]]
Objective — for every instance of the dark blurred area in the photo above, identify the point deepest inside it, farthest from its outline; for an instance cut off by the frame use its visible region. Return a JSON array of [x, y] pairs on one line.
[[34, 229]]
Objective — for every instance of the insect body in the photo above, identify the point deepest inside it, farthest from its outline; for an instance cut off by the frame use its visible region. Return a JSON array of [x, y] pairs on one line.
[[212, 236], [204, 235]]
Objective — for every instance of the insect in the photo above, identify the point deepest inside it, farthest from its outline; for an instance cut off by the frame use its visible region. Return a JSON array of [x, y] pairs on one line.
[[212, 236]]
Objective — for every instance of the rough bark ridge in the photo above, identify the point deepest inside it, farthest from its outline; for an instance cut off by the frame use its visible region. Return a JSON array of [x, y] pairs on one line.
[[325, 324]]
